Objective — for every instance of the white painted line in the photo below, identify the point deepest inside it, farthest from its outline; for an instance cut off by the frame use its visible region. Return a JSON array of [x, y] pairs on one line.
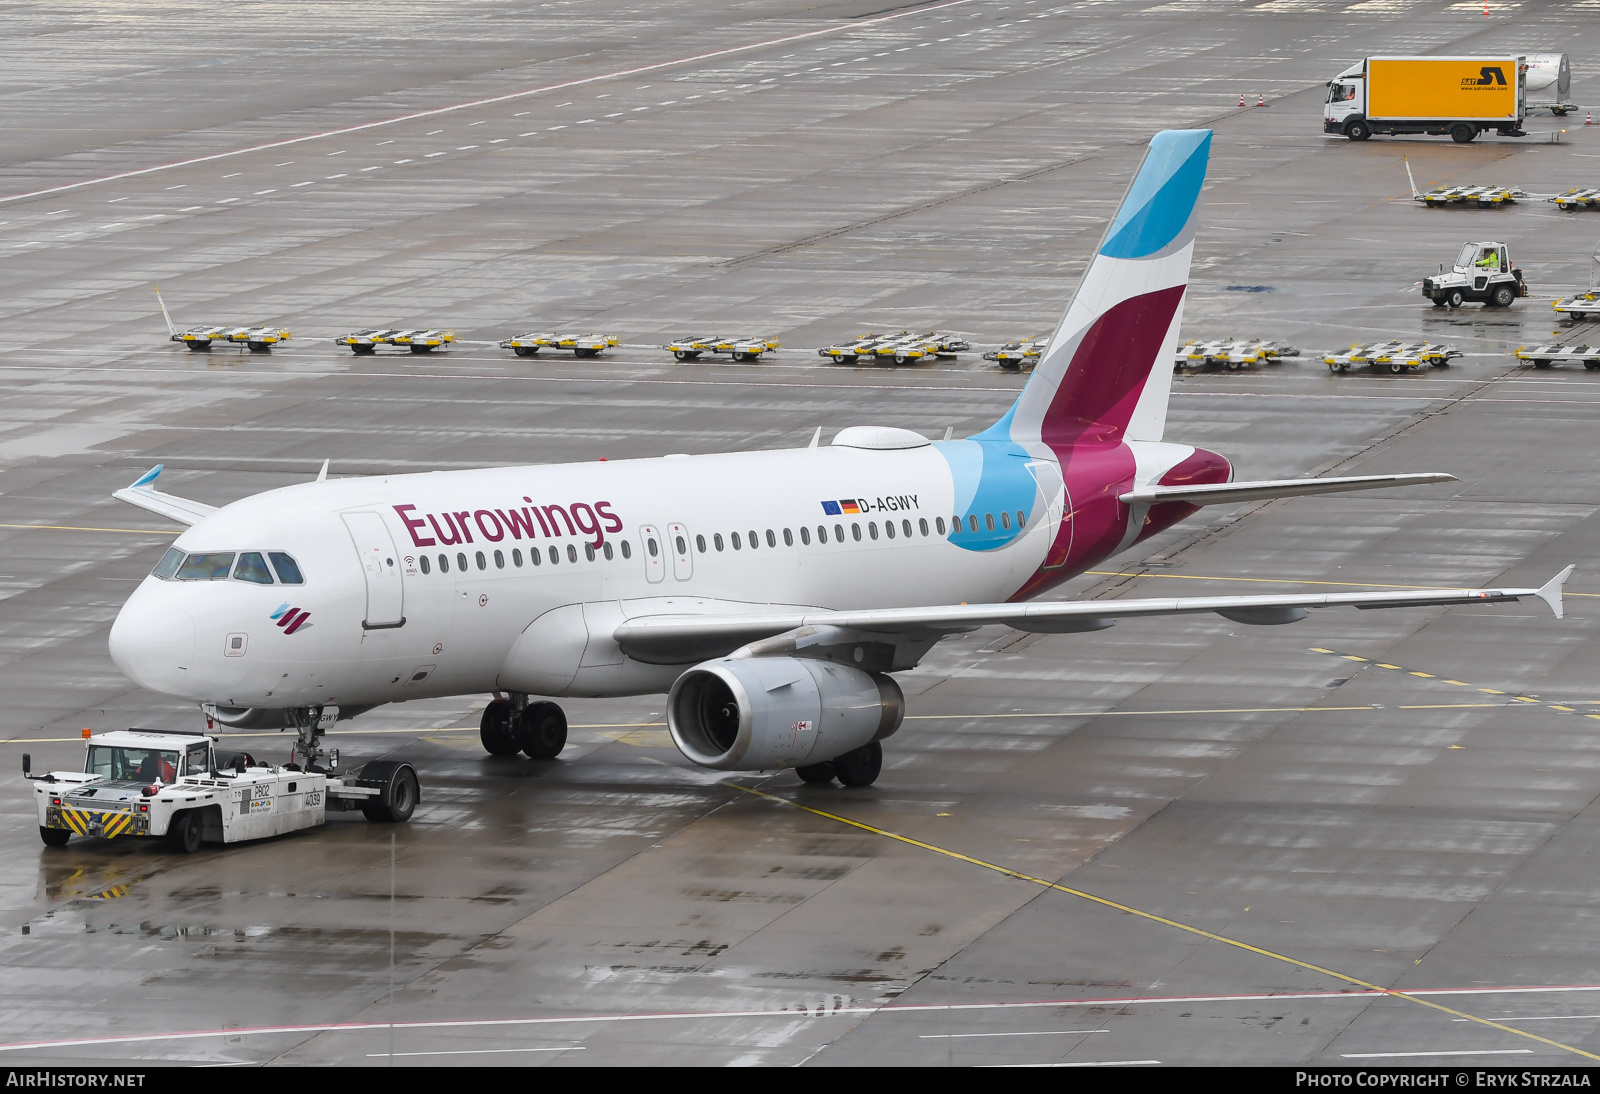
[[341, 175], [500, 140], [1541, 1017], [115, 200], [1460, 1052], [473, 1052], [376, 168], [1035, 1033], [311, 183], [235, 175], [431, 155], [259, 193], [837, 28], [785, 1015], [398, 162], [285, 163], [338, 153], [465, 147]]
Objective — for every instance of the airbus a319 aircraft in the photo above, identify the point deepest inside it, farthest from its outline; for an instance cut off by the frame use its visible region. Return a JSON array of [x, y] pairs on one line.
[[771, 594]]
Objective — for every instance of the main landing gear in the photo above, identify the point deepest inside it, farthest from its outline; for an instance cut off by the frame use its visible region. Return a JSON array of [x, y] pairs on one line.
[[514, 725], [858, 767]]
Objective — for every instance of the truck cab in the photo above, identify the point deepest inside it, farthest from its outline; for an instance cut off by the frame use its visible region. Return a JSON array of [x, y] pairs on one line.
[[1481, 272]]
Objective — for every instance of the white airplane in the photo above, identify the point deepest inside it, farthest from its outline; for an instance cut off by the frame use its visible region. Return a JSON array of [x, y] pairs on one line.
[[771, 594]]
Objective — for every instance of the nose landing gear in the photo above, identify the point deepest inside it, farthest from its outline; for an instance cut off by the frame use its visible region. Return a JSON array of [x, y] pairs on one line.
[[514, 725]]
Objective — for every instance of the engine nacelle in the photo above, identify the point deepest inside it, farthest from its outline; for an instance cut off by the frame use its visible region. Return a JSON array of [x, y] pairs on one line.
[[763, 713]]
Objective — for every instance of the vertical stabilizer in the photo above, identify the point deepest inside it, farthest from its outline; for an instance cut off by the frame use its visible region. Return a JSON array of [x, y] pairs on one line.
[[1107, 372]]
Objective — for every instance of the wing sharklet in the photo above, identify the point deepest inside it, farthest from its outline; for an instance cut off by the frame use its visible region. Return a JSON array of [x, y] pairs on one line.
[[148, 498]]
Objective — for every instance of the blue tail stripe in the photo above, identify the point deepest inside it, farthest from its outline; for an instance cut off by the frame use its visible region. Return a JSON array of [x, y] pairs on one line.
[[1163, 195]]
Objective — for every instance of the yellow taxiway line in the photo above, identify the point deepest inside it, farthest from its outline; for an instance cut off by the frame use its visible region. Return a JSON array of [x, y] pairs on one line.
[[1153, 918]]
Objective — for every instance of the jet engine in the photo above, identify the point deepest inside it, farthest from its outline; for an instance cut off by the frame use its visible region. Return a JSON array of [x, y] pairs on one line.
[[764, 713]]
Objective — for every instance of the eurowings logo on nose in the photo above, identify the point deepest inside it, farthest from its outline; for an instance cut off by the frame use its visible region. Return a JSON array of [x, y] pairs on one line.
[[291, 619]]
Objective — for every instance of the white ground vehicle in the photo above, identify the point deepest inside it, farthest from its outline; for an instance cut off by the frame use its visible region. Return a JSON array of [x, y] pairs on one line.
[[138, 783], [1482, 272]]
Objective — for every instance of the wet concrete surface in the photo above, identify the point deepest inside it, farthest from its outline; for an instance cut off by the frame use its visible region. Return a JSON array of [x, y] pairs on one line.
[[1185, 841]]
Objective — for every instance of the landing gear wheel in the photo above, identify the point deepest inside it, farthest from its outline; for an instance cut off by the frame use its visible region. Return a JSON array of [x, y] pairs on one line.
[[1462, 133], [541, 730], [183, 834], [1502, 296], [400, 791], [54, 837], [1455, 299], [494, 730], [815, 774], [1358, 131], [860, 766]]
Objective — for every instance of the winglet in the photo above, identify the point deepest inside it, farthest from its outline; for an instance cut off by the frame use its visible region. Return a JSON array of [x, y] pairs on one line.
[[1414, 194], [149, 476], [815, 437], [322, 476], [1550, 591], [172, 330]]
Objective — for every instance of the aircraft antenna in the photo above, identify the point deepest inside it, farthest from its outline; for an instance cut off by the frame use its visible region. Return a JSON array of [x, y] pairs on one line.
[[172, 330], [815, 437], [322, 476]]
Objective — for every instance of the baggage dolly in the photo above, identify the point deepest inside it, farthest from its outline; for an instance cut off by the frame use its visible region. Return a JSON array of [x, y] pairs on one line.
[[1550, 353]]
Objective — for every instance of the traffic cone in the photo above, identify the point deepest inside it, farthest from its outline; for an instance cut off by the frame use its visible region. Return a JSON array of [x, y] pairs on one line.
[[1486, 8], [1241, 98], [1261, 100], [1588, 119]]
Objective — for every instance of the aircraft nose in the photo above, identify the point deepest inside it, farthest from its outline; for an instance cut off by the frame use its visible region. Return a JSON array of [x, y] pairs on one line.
[[152, 642]]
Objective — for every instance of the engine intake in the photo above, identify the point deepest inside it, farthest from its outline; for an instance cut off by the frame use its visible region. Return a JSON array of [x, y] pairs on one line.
[[764, 713]]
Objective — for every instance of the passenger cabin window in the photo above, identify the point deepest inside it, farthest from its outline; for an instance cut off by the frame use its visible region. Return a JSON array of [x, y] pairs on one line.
[[872, 529], [206, 567], [855, 532], [1021, 519], [772, 540], [838, 533], [627, 550], [423, 562], [700, 544], [461, 561], [444, 564], [482, 565], [735, 537], [252, 567], [555, 556], [572, 554], [607, 548], [938, 525], [168, 566], [288, 569], [755, 539], [822, 533], [499, 561], [588, 551], [888, 528], [516, 557], [535, 557], [805, 535]]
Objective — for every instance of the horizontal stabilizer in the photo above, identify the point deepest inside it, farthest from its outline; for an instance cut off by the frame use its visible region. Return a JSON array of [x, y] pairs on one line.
[[1230, 492], [147, 497], [663, 639]]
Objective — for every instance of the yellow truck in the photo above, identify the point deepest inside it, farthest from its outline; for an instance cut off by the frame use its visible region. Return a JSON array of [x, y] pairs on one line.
[[1458, 96]]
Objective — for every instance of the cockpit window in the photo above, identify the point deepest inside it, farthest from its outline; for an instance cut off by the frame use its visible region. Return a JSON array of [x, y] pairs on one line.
[[169, 564], [288, 570], [252, 567], [206, 567], [1468, 253]]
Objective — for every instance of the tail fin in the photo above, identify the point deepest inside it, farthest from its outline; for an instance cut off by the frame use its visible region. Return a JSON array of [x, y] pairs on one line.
[[1107, 372]]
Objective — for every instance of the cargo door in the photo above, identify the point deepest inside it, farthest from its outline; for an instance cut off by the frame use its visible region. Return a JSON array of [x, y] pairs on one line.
[[380, 567]]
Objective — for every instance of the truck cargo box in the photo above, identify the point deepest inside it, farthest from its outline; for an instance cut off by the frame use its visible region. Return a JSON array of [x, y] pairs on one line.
[[1458, 88]]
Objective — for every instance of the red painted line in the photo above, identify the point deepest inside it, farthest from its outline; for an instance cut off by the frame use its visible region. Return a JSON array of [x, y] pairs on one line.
[[907, 1008], [512, 97]]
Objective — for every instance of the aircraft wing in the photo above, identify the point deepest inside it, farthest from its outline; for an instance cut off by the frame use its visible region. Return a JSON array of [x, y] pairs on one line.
[[664, 639], [1223, 492], [146, 496]]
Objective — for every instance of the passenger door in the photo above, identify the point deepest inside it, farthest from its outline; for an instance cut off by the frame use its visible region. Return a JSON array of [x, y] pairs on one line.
[[381, 567]]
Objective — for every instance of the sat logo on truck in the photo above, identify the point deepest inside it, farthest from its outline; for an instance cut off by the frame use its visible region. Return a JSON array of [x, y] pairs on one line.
[[291, 619], [1488, 76]]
